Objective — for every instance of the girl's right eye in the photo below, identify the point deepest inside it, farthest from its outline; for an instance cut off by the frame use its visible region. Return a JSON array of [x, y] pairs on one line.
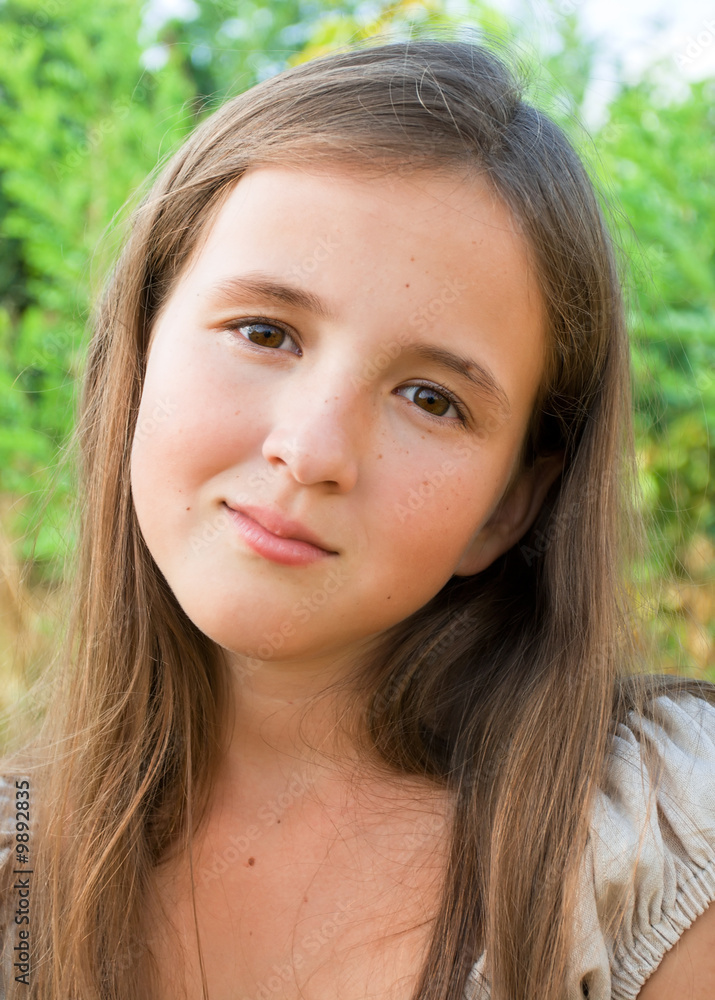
[[263, 334]]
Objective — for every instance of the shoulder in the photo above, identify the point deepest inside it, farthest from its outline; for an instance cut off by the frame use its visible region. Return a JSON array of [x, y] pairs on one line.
[[649, 867]]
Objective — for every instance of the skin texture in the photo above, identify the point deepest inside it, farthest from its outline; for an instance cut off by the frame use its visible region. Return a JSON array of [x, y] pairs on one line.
[[687, 971]]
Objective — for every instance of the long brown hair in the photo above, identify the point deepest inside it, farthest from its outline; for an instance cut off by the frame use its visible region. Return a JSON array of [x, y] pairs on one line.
[[504, 687]]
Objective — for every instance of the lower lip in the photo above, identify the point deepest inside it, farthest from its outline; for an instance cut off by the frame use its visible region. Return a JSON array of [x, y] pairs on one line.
[[288, 551]]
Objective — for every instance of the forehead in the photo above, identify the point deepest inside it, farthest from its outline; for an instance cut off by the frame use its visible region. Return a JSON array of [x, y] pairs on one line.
[[433, 256], [456, 207]]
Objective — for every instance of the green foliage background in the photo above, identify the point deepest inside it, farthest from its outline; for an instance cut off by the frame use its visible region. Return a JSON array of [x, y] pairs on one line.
[[92, 96]]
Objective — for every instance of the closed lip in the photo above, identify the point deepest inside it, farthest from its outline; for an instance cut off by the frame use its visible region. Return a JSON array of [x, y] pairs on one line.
[[281, 526]]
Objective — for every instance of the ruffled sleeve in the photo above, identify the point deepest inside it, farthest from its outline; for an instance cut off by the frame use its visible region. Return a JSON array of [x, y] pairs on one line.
[[649, 866]]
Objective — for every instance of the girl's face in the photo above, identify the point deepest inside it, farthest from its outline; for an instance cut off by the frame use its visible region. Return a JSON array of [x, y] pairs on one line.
[[311, 365]]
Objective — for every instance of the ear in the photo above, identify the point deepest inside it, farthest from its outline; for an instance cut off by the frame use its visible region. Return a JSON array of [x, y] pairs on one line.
[[513, 516]]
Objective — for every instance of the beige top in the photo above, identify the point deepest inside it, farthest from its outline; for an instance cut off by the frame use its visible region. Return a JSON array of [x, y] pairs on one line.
[[662, 845]]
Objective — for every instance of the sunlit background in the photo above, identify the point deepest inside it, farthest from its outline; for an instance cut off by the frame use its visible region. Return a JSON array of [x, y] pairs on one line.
[[93, 93]]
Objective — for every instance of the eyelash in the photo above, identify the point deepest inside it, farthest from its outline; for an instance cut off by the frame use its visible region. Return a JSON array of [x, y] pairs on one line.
[[449, 396]]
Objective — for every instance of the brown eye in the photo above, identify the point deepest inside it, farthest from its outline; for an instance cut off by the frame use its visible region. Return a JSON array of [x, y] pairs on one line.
[[261, 333], [433, 402], [264, 334], [430, 400]]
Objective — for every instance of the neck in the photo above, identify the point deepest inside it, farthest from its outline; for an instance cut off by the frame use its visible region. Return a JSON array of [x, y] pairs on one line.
[[297, 754], [295, 718]]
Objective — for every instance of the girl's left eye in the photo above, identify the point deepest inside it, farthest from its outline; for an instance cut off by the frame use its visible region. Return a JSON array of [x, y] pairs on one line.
[[435, 402]]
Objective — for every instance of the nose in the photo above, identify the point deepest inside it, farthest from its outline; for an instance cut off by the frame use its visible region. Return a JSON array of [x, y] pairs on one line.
[[314, 434]]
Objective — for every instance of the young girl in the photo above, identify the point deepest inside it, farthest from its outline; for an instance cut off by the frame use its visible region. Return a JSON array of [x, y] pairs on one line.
[[351, 703]]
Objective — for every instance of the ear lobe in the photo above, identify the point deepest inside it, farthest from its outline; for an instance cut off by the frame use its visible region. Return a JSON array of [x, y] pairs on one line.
[[513, 516]]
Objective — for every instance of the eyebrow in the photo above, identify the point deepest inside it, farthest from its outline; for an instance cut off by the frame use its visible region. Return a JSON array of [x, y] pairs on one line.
[[264, 286]]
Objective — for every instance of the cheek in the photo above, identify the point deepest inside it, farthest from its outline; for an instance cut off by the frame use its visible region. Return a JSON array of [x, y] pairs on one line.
[[212, 413], [429, 515], [185, 437]]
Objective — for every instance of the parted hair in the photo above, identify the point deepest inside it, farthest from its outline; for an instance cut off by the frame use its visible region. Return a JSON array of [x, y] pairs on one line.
[[504, 687]]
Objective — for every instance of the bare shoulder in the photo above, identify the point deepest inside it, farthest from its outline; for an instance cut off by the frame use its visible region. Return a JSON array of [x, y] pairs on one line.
[[687, 971]]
